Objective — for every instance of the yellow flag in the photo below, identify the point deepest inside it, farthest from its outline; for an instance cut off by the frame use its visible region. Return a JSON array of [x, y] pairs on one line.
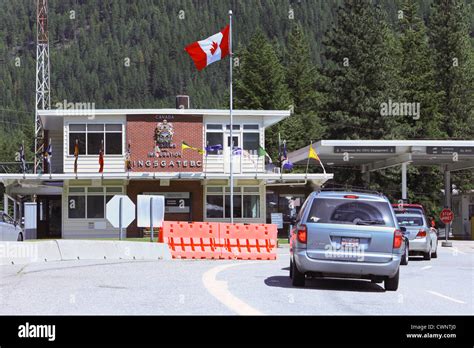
[[185, 146], [313, 154]]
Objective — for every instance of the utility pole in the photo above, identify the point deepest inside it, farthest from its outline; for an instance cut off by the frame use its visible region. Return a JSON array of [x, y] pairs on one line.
[[43, 99]]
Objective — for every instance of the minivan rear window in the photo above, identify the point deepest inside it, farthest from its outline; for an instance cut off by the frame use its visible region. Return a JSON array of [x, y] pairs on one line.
[[351, 212]]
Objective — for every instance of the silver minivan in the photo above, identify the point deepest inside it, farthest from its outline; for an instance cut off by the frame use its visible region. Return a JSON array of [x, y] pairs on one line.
[[346, 235]]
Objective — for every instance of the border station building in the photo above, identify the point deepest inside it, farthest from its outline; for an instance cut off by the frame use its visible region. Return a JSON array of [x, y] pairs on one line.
[[195, 185]]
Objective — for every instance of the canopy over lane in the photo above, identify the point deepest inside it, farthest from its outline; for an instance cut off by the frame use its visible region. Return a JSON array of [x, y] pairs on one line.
[[371, 155]]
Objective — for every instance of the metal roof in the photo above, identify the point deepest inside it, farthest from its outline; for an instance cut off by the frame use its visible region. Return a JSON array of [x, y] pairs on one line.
[[53, 118], [371, 155]]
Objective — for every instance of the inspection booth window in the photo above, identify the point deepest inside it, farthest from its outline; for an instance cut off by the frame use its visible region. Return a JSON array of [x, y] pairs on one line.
[[89, 202], [91, 135], [246, 202], [249, 133]]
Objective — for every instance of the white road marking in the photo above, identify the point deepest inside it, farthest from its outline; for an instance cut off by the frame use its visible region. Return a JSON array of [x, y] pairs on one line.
[[220, 290], [455, 251], [426, 267], [446, 297]]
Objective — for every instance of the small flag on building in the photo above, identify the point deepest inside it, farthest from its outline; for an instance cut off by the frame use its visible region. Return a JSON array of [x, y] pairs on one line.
[[262, 152], [22, 158], [128, 162], [213, 148], [185, 146], [101, 157], [76, 155], [285, 162], [237, 150], [209, 50], [312, 154], [48, 154]]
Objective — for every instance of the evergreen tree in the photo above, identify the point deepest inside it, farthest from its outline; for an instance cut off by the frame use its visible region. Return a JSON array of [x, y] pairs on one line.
[[260, 84], [360, 72], [454, 62], [301, 76], [454, 65], [417, 78]]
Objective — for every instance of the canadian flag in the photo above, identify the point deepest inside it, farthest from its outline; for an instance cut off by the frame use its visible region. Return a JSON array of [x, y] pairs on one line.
[[209, 50]]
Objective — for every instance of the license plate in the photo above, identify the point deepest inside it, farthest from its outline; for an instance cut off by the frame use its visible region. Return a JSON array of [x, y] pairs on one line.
[[349, 242]]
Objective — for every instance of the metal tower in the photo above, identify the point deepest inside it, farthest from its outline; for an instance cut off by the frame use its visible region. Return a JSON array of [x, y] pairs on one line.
[[43, 100]]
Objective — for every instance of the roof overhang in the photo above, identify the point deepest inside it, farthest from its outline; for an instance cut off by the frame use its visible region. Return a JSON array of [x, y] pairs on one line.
[[54, 118], [316, 179], [371, 155]]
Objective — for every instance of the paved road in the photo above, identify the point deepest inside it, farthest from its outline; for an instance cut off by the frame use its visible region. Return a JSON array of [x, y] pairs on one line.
[[440, 286]]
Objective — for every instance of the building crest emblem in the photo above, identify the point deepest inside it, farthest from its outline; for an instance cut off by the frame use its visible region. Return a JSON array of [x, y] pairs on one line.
[[164, 132]]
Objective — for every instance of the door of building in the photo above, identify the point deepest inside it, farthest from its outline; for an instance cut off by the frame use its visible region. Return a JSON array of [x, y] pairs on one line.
[[236, 157], [49, 217]]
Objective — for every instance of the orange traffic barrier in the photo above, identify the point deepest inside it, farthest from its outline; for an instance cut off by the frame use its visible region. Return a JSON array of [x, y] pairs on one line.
[[248, 241], [212, 240], [196, 240]]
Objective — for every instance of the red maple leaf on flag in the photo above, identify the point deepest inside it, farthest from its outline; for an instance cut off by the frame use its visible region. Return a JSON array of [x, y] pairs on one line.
[[214, 47]]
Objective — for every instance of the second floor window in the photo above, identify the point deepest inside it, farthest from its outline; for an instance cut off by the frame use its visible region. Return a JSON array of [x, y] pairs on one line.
[[90, 138]]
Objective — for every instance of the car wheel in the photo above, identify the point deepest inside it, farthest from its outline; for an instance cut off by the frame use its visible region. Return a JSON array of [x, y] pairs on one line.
[[391, 284], [298, 278], [291, 269], [20, 237], [427, 256], [404, 261]]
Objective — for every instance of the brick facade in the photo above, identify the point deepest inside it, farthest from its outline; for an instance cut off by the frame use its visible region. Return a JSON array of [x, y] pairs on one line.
[[140, 135], [136, 187]]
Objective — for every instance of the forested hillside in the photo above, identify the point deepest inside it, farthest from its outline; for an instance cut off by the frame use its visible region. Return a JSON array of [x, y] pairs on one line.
[[335, 61]]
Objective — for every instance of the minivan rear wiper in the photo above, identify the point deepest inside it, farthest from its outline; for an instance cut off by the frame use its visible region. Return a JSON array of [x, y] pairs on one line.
[[370, 222]]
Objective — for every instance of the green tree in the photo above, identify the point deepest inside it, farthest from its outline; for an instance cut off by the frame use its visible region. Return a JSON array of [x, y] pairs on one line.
[[302, 77], [454, 65], [417, 77], [260, 83], [360, 73]]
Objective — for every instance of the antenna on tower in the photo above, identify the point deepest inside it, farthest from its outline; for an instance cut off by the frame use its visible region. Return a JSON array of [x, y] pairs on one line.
[[43, 99]]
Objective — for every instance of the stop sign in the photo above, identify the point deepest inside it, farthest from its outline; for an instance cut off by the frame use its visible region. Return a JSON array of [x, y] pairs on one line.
[[446, 215]]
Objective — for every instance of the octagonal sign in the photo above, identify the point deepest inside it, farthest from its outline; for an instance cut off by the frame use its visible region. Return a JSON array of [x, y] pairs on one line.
[[112, 211]]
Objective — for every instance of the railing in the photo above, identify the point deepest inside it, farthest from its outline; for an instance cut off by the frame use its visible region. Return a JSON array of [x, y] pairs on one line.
[[15, 167]]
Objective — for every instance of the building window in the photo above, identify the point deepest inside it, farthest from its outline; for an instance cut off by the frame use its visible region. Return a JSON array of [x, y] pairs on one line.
[[76, 207], [251, 142], [89, 203], [90, 138], [246, 202], [214, 206], [77, 132], [214, 139]]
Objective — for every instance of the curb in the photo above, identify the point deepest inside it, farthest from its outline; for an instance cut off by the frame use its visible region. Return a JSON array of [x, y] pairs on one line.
[[20, 253]]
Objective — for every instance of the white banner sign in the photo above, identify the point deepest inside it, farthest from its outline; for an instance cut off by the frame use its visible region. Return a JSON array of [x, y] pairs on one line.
[[150, 210]]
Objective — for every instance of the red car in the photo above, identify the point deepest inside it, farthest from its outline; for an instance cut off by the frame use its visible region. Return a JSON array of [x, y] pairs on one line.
[[407, 208]]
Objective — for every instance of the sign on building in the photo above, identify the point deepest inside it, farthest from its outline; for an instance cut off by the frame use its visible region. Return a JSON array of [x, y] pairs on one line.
[[277, 219], [175, 202]]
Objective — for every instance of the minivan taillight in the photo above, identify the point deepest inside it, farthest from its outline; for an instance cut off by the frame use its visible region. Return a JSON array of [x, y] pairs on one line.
[[421, 234], [351, 196], [302, 234], [397, 239]]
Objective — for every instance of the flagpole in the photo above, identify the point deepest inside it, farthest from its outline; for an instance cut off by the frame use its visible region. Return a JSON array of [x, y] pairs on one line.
[[307, 162], [231, 122]]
